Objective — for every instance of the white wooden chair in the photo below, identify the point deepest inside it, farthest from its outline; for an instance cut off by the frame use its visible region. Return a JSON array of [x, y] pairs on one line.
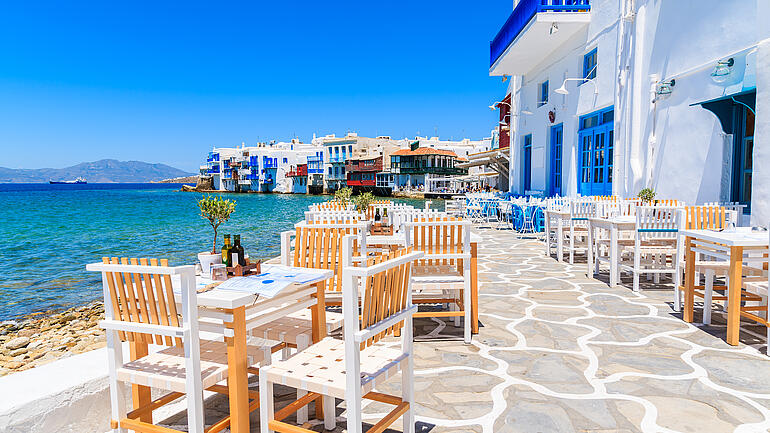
[[140, 308], [322, 216], [580, 212], [552, 228], [446, 264], [760, 286], [654, 251], [352, 368]]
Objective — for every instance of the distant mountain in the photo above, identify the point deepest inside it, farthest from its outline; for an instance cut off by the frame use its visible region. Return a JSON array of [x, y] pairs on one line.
[[104, 171]]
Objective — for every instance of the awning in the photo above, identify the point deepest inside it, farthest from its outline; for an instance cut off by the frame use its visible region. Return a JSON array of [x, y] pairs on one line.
[[724, 107]]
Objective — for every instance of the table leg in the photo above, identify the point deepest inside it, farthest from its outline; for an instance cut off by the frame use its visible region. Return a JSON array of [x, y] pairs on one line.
[[560, 240], [474, 288], [141, 395], [590, 251], [734, 296], [614, 259], [318, 314], [238, 378], [689, 280]]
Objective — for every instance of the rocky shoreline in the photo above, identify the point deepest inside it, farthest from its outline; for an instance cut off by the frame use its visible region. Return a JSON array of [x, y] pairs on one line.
[[44, 337]]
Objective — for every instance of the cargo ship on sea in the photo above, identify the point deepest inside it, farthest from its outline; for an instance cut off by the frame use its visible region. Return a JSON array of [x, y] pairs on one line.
[[78, 181]]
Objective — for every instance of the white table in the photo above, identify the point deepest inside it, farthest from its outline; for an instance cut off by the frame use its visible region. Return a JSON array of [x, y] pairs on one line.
[[241, 311], [560, 216], [615, 225], [738, 246]]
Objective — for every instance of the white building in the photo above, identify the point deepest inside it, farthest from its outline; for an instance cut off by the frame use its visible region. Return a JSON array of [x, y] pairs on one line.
[[261, 168], [659, 94]]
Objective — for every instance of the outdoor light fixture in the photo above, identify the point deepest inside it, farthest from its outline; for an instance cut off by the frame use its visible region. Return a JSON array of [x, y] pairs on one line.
[[563, 89], [722, 70], [554, 28], [505, 78], [493, 107], [665, 87]]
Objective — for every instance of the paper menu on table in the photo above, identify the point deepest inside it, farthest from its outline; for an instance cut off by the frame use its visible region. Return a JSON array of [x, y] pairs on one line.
[[267, 284]]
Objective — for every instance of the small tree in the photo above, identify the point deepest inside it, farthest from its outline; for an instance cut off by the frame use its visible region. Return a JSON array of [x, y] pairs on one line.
[[342, 195], [363, 201], [216, 211], [647, 195]]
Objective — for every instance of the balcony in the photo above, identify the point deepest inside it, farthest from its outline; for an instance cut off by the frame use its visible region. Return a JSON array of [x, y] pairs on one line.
[[535, 29], [337, 158], [364, 166], [444, 171]]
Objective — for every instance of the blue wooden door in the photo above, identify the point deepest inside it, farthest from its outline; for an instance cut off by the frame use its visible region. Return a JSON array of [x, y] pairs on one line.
[[557, 139], [527, 149], [596, 146]]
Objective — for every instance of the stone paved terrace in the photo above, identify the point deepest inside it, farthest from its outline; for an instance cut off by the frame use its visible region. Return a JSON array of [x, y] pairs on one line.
[[559, 352]]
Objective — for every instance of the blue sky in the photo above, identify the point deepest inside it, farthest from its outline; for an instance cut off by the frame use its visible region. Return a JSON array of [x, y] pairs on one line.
[[164, 81]]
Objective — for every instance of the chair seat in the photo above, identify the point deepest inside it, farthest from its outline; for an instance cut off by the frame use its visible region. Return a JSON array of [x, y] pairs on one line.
[[321, 368], [289, 328], [166, 369], [757, 287], [425, 274]]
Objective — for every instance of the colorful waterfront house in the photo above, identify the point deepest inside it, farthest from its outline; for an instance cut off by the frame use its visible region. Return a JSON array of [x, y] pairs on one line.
[[415, 168], [595, 106], [337, 151], [299, 177], [315, 173], [361, 173]]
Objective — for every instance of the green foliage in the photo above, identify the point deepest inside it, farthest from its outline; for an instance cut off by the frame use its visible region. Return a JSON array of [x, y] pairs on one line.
[[216, 211], [647, 195], [363, 201], [342, 195]]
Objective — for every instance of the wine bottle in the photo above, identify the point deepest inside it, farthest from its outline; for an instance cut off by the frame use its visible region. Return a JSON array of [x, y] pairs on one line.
[[238, 249], [377, 215], [226, 251], [385, 217]]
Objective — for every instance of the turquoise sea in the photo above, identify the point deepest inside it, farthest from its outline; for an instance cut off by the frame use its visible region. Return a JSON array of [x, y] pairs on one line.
[[50, 232]]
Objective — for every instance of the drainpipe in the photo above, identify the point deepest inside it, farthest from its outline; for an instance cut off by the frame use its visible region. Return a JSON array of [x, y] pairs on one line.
[[625, 44]]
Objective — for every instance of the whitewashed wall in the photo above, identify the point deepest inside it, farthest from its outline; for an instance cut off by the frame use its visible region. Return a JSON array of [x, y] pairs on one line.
[[678, 149]]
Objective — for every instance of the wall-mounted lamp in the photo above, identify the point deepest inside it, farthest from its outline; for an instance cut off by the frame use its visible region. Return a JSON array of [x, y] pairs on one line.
[[554, 28], [722, 70], [665, 87], [563, 89], [505, 78]]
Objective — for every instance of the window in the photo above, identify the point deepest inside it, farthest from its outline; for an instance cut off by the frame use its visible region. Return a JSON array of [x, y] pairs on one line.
[[589, 65], [543, 97], [330, 171], [336, 171], [285, 160], [350, 149]]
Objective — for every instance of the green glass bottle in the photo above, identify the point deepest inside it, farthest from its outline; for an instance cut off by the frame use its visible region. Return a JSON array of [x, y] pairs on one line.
[[238, 249], [226, 251]]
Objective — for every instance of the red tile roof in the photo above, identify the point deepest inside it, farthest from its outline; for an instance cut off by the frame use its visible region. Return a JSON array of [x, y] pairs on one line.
[[424, 151]]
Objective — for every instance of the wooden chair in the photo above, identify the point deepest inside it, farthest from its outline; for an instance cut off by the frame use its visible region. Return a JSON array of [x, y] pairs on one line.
[[580, 212], [447, 263], [552, 233], [319, 246], [350, 369], [709, 218], [654, 250], [333, 215], [140, 308]]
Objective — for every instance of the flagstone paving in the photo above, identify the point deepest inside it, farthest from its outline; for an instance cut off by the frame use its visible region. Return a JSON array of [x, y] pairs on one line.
[[561, 352]]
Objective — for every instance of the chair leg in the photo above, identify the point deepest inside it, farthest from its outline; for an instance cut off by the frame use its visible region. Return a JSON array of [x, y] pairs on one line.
[[637, 269], [117, 398], [266, 409], [330, 414], [407, 392], [656, 260], [709, 274], [467, 306], [571, 246], [303, 342], [453, 307]]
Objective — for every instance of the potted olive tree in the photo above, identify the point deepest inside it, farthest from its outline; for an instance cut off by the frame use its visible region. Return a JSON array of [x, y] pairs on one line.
[[216, 211]]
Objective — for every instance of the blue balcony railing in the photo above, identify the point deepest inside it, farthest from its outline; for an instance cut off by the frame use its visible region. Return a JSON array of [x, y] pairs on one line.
[[522, 14]]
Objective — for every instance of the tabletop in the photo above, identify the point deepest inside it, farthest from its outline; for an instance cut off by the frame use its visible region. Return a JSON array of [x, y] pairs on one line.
[[735, 237], [230, 299], [399, 239]]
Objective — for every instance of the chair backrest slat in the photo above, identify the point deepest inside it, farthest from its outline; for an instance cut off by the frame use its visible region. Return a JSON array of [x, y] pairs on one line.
[[142, 297]]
